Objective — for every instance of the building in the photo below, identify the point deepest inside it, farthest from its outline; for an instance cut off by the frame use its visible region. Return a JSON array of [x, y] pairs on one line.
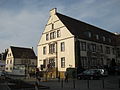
[[67, 42], [20, 60], [2, 60]]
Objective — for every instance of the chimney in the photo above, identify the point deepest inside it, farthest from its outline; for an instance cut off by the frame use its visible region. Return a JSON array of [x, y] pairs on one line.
[[53, 11]]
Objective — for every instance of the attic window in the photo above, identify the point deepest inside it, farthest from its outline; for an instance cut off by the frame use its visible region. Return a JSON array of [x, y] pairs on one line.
[[58, 33], [103, 38], [52, 26], [89, 34], [47, 36], [97, 36]]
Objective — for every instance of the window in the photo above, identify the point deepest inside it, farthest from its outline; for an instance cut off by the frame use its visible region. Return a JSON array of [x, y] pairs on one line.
[[10, 68], [51, 48], [88, 47], [109, 40], [97, 37], [6, 68], [84, 62], [52, 35], [10, 61], [44, 50], [7, 61], [113, 51], [101, 48], [58, 33], [83, 46], [93, 47], [62, 46], [52, 26], [63, 62], [52, 62], [44, 63], [47, 36], [103, 38], [107, 50], [89, 34]]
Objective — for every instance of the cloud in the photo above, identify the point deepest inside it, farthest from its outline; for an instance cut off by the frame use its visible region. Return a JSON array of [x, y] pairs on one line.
[[22, 21]]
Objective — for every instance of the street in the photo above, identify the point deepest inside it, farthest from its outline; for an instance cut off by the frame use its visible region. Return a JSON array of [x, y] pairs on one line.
[[108, 83]]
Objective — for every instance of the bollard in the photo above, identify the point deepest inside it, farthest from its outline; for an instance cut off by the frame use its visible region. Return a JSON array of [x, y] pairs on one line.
[[61, 83], [103, 83], [88, 86], [73, 83]]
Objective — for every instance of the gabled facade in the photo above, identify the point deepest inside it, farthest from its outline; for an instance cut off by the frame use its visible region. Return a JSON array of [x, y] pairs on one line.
[[67, 42], [20, 58]]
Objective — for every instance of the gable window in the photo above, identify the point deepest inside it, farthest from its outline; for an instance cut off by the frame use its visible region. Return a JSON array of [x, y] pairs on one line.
[[10, 61], [63, 62], [83, 46], [47, 36], [7, 61], [44, 50], [52, 35], [52, 26], [58, 33], [62, 46]]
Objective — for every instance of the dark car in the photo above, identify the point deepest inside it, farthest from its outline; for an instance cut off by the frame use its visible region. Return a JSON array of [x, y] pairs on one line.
[[89, 74]]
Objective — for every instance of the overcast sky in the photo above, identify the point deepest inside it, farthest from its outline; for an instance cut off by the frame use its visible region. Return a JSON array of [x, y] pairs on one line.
[[22, 21]]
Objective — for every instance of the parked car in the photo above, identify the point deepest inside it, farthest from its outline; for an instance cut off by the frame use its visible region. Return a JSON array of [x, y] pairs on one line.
[[103, 72], [90, 74], [117, 70], [2, 73]]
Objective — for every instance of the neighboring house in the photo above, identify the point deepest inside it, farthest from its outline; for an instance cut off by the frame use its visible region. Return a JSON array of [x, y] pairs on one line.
[[2, 60], [20, 58], [67, 42]]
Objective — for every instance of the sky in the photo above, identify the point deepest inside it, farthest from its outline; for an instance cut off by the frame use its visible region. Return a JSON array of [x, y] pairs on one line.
[[23, 21]]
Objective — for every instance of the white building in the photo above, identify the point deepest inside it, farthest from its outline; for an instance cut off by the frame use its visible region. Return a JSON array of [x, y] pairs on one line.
[[67, 42], [19, 59]]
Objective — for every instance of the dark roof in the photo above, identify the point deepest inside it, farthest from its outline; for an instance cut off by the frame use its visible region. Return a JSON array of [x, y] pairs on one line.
[[78, 28], [20, 52]]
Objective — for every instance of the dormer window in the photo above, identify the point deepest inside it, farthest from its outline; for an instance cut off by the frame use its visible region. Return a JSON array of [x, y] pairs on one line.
[[89, 34], [103, 38], [97, 37], [109, 40]]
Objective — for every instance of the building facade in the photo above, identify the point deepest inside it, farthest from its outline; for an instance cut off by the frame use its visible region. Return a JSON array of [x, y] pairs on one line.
[[20, 59], [70, 43]]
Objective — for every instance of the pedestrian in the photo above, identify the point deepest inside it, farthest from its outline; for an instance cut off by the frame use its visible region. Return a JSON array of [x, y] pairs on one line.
[[66, 77]]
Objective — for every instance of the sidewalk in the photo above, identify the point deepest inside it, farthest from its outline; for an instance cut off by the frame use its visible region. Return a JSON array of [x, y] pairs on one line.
[[110, 83]]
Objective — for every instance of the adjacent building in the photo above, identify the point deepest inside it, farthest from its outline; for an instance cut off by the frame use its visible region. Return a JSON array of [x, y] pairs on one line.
[[20, 60], [67, 42], [2, 60]]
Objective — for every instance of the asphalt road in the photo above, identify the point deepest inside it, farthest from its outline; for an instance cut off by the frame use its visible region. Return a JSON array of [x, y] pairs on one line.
[[109, 83]]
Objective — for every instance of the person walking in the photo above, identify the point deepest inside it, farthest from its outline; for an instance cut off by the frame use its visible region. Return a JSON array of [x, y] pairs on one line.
[[66, 77]]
